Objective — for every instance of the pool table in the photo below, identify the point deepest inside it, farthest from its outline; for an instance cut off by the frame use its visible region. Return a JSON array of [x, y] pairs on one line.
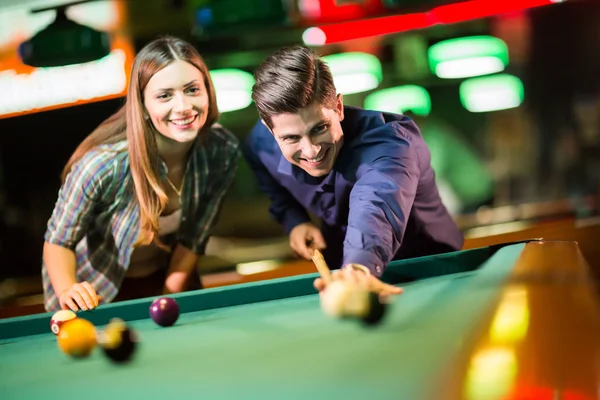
[[496, 322]]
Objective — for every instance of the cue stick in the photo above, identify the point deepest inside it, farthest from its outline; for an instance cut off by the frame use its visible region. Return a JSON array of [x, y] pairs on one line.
[[322, 267]]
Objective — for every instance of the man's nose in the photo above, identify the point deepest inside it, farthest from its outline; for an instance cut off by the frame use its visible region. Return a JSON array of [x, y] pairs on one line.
[[310, 149]]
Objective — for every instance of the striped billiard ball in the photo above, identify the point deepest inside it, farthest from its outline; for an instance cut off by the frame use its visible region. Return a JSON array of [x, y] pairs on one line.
[[59, 318]]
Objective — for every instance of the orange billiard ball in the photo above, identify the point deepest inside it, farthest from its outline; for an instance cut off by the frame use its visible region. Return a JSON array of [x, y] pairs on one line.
[[77, 338], [59, 318]]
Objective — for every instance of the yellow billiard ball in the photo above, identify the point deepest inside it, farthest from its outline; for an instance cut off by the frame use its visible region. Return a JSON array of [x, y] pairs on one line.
[[77, 338]]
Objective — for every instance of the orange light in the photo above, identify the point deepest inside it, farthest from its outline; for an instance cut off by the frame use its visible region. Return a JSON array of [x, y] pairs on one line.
[[19, 81]]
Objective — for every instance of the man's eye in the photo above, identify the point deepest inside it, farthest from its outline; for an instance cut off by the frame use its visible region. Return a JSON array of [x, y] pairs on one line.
[[320, 129]]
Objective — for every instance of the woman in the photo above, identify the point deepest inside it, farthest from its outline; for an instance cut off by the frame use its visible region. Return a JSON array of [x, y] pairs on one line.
[[142, 192]]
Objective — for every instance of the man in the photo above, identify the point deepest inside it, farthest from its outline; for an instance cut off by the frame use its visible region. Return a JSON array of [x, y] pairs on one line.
[[365, 174]]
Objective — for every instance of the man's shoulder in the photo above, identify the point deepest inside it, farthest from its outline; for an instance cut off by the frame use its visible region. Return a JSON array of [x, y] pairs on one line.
[[260, 139], [378, 127], [260, 132]]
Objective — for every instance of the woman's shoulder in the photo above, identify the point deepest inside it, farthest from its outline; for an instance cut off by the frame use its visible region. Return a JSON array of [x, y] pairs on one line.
[[104, 161]]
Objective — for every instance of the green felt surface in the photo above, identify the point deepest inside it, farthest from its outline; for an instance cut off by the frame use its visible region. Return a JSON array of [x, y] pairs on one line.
[[271, 341]]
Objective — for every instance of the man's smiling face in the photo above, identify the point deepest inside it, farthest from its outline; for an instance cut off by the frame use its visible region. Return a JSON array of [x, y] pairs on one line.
[[311, 138]]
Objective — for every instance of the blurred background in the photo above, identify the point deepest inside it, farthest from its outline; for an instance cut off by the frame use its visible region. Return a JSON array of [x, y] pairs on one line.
[[506, 93]]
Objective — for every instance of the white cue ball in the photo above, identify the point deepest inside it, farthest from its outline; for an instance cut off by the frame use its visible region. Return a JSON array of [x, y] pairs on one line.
[[344, 299], [59, 318]]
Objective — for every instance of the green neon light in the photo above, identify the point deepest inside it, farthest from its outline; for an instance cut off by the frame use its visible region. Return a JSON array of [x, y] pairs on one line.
[[354, 72], [491, 93], [233, 88], [400, 100], [468, 56]]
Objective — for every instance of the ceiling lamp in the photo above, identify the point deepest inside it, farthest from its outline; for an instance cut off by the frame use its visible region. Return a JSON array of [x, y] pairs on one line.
[[64, 42], [491, 93], [354, 72], [468, 56], [233, 88], [400, 99]]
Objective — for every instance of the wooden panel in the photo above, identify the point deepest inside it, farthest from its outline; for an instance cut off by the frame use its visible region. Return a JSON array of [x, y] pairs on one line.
[[542, 338], [586, 232]]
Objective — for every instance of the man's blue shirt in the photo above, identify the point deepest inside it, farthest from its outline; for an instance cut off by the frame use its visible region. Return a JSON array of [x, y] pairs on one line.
[[379, 203]]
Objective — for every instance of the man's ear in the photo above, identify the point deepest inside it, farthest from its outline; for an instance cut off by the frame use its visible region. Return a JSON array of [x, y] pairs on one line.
[[340, 106]]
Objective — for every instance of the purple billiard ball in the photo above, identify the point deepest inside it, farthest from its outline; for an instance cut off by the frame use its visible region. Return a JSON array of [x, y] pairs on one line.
[[164, 311]]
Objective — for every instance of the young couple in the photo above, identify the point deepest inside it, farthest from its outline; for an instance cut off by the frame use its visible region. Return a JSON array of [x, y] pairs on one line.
[[142, 192]]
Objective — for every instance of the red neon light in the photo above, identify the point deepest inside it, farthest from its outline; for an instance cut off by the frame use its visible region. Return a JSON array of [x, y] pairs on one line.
[[449, 14], [332, 12], [373, 27], [480, 9]]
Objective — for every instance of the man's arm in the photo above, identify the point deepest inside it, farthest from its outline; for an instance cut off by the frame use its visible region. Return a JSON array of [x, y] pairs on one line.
[[284, 208], [380, 202]]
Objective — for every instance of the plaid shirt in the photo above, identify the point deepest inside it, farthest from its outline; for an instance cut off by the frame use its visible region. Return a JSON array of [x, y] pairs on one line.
[[97, 216]]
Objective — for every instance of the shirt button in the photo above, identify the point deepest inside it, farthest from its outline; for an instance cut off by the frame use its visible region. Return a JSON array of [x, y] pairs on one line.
[[378, 269], [183, 218]]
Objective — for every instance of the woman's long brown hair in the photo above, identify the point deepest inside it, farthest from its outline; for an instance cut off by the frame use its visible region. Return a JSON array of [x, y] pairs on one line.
[[130, 123]]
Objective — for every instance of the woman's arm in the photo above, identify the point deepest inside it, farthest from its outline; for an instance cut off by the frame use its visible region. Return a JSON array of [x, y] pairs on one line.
[[77, 198], [60, 264], [182, 264]]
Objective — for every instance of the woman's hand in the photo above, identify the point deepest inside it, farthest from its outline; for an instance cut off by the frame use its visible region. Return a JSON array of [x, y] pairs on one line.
[[80, 296]]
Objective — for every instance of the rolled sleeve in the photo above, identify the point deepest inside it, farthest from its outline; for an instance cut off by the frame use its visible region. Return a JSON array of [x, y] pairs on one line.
[[77, 198]]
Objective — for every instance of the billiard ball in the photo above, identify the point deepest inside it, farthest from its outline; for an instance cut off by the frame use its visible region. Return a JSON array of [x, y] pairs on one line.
[[344, 299], [335, 298], [118, 341], [59, 318], [164, 311], [77, 338], [376, 310]]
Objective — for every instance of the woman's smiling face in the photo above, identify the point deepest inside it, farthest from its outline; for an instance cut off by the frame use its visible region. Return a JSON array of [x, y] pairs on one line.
[[176, 101]]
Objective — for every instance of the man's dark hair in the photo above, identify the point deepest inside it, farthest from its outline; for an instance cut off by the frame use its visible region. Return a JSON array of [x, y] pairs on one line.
[[292, 79]]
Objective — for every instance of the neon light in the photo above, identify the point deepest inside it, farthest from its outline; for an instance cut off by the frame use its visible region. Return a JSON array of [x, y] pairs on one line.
[[45, 87], [400, 99], [310, 8], [469, 67], [326, 11], [354, 72], [448, 14], [491, 93], [315, 36], [233, 88]]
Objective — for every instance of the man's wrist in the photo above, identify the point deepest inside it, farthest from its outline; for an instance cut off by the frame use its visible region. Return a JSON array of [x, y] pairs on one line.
[[358, 267], [364, 258]]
